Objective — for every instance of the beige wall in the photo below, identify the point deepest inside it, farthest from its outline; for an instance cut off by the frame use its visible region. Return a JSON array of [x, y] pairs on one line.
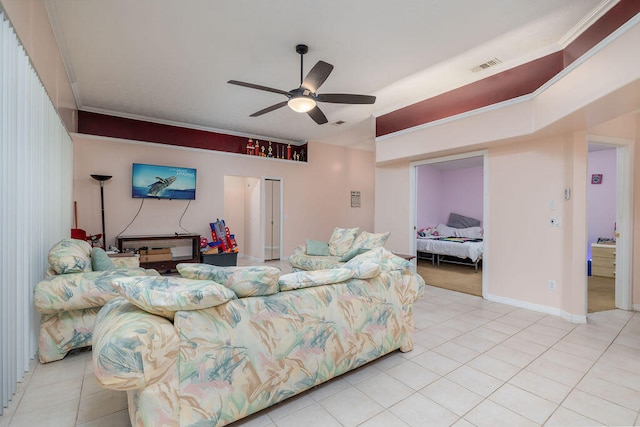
[[536, 147], [31, 23], [316, 194]]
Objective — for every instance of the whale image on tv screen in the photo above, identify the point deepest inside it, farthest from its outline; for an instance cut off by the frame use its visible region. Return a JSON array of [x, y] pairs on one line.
[[163, 182]]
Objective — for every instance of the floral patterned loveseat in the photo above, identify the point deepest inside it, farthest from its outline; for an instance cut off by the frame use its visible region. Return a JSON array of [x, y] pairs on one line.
[[77, 285], [226, 342], [341, 247]]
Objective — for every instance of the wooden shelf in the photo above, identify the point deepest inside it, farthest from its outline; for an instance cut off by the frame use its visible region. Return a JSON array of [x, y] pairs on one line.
[[170, 241]]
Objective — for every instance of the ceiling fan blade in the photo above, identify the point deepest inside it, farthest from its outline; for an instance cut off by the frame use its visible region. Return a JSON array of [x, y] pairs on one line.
[[254, 86], [317, 76], [269, 109], [318, 116], [346, 98]]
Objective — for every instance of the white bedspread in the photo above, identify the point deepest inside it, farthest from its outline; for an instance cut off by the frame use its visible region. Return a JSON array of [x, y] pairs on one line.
[[472, 250]]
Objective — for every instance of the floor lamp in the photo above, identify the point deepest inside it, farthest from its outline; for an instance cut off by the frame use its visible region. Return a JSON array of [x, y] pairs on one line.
[[101, 179]]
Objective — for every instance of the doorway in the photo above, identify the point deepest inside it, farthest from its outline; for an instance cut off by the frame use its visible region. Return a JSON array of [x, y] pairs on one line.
[[272, 191], [441, 187], [608, 227]]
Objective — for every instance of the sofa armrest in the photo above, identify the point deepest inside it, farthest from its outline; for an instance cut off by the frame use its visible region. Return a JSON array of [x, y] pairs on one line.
[[133, 349], [76, 291]]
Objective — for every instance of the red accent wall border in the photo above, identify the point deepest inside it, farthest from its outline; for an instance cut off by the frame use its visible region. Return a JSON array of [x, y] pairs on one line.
[[137, 130], [508, 84]]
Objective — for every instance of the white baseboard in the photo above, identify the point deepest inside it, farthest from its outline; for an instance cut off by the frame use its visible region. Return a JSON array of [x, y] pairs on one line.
[[573, 318]]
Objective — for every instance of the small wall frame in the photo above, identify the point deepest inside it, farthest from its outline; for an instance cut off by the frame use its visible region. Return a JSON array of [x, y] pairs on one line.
[[355, 199]]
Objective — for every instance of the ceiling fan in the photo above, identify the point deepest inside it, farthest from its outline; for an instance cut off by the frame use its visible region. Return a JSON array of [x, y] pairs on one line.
[[304, 99]]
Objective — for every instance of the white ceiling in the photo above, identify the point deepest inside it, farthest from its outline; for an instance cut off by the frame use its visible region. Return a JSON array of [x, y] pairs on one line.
[[169, 61]]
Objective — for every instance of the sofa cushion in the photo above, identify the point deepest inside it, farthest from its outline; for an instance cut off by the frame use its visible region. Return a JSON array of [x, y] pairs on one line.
[[341, 240], [249, 281], [100, 261], [70, 256], [307, 279], [317, 248], [166, 295], [310, 262], [368, 240], [132, 349], [76, 291], [366, 265]]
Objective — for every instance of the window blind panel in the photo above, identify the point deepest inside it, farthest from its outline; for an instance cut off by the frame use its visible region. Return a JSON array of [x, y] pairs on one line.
[[35, 203]]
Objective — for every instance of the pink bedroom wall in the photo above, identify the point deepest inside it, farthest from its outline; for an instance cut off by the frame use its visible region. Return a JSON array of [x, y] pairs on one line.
[[316, 194], [601, 198], [441, 192], [462, 193], [429, 196]]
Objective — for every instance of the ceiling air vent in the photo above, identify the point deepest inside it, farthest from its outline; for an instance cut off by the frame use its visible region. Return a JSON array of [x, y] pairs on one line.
[[338, 123], [484, 66]]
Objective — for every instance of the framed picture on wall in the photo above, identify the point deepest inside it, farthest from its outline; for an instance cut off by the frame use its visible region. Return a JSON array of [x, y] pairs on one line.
[[596, 178]]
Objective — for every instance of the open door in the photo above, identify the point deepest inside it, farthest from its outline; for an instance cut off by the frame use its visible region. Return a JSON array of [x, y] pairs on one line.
[[272, 218]]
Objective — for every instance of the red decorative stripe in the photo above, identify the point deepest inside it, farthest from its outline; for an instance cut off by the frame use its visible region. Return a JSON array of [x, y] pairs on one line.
[[138, 130], [509, 84]]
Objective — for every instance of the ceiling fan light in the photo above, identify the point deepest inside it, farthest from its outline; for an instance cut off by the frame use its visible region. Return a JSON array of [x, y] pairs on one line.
[[301, 104]]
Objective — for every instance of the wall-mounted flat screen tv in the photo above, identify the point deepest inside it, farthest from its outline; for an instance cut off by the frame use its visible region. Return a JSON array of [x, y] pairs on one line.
[[163, 182]]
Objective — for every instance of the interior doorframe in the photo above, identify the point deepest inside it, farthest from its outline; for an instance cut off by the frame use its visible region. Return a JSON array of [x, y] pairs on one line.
[[263, 208], [624, 221], [413, 204]]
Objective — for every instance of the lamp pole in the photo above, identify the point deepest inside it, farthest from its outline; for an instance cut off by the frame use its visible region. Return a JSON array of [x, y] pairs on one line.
[[101, 179]]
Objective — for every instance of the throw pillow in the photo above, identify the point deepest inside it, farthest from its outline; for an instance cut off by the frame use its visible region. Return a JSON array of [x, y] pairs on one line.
[[317, 248], [341, 240], [370, 240], [100, 261], [308, 279], [352, 253], [166, 295], [70, 256], [249, 281]]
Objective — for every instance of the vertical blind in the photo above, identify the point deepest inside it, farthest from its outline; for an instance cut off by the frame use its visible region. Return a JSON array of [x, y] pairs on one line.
[[36, 160]]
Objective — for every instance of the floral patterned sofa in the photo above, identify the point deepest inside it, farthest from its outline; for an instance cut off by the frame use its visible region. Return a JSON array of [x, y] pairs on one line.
[[341, 247], [77, 285], [226, 342]]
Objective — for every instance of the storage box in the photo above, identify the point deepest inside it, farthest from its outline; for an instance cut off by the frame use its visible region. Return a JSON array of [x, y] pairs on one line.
[[225, 259], [155, 257], [155, 251]]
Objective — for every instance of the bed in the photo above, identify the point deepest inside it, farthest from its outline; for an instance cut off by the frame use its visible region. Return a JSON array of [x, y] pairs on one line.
[[445, 243]]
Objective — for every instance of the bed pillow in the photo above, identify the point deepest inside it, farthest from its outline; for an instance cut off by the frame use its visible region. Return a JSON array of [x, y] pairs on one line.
[[166, 295], [471, 232], [341, 240], [445, 231], [461, 221], [317, 248]]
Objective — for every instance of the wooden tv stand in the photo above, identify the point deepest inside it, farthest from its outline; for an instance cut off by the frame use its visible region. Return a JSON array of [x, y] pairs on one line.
[[164, 241]]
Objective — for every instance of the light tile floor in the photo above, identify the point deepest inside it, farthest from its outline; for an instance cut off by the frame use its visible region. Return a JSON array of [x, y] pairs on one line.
[[474, 363]]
